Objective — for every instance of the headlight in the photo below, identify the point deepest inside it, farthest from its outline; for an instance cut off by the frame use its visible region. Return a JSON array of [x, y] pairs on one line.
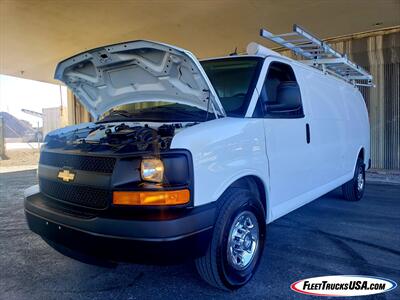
[[152, 169]]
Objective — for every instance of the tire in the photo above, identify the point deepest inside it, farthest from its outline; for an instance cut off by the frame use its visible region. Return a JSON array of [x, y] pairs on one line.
[[241, 213], [354, 189]]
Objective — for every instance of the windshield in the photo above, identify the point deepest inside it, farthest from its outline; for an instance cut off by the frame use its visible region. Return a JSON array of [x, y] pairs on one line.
[[158, 111], [234, 80]]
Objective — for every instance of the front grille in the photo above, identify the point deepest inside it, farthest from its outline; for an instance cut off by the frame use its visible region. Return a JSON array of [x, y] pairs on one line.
[[78, 162], [74, 194]]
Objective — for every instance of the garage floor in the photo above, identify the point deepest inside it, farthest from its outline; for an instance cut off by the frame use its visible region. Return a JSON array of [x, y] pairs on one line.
[[329, 236]]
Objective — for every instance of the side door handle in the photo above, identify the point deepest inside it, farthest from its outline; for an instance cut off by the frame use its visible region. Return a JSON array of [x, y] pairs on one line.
[[308, 133]]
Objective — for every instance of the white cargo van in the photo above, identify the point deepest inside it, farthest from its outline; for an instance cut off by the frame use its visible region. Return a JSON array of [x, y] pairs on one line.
[[194, 159]]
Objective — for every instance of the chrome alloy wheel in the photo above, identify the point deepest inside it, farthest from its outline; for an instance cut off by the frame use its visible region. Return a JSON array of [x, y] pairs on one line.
[[243, 240], [360, 180]]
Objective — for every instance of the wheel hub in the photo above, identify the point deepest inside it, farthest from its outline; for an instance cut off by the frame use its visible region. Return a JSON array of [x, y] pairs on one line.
[[248, 241], [243, 240]]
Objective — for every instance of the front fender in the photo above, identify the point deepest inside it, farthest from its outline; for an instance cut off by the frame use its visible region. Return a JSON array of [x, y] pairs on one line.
[[223, 151]]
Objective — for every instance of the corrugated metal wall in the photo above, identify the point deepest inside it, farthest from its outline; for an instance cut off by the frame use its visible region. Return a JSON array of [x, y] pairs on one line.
[[379, 53], [76, 112]]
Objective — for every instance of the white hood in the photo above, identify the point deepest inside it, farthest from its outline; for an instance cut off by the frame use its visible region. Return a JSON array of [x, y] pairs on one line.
[[137, 71]]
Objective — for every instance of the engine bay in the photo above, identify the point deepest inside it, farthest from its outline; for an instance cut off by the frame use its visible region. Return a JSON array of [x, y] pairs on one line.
[[118, 137]]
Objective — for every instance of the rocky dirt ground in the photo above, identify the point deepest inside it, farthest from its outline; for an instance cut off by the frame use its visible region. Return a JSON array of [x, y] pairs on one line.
[[19, 159]]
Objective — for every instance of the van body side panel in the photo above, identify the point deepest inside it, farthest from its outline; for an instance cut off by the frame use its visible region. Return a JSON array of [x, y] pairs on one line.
[[339, 128], [327, 125], [358, 129]]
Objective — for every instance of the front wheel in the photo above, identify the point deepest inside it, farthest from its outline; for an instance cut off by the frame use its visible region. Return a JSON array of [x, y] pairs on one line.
[[237, 243], [354, 189]]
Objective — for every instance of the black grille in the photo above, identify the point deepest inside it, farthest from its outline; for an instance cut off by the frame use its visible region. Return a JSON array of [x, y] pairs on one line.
[[81, 195], [78, 162]]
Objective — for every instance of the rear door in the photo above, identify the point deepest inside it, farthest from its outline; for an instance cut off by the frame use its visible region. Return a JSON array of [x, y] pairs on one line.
[[287, 136]]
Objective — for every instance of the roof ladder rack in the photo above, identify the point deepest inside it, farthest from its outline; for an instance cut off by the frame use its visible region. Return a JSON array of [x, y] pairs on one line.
[[320, 55]]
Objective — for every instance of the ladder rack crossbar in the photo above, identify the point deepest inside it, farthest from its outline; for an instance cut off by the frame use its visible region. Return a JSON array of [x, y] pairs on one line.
[[320, 55], [309, 46], [286, 34], [298, 41]]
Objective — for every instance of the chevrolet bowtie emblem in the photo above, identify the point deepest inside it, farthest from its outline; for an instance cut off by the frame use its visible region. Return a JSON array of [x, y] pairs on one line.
[[66, 175]]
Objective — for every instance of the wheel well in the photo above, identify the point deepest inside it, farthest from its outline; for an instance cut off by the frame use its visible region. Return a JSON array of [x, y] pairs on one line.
[[254, 185], [361, 154]]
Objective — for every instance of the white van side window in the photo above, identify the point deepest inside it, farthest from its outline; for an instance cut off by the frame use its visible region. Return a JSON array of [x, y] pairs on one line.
[[280, 95]]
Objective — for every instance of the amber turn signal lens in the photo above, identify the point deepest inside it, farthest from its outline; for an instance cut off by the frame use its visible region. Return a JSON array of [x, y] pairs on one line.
[[152, 198]]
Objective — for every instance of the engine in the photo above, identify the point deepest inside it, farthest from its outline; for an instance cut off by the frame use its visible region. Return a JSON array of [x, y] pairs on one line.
[[122, 137]]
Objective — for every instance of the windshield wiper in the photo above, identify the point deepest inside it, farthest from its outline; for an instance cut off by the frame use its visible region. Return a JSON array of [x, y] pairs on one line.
[[179, 111], [116, 115], [153, 114], [120, 113]]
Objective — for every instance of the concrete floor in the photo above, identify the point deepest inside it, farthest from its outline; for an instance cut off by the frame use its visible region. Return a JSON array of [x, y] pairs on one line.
[[326, 237]]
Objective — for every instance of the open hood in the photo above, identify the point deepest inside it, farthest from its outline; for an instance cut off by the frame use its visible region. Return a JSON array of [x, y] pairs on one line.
[[137, 71]]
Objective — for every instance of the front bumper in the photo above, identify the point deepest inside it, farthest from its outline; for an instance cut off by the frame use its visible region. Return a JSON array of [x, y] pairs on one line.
[[156, 239]]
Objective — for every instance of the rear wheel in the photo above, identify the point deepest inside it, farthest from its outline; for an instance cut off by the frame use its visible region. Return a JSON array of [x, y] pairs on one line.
[[354, 189], [238, 241]]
